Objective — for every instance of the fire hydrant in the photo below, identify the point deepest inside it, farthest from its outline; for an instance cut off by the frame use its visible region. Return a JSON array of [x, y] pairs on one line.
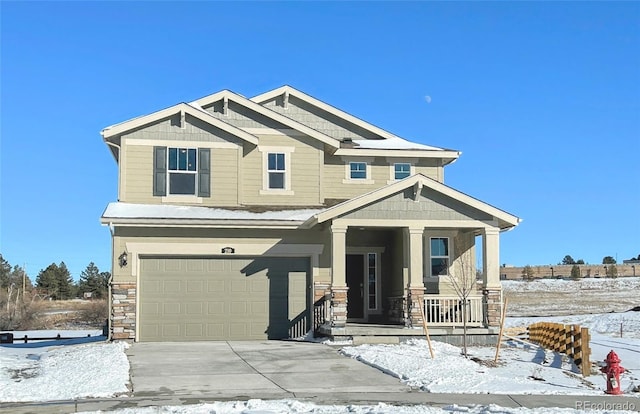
[[612, 369]]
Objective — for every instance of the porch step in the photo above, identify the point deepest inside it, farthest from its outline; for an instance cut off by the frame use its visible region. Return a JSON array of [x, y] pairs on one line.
[[362, 340]]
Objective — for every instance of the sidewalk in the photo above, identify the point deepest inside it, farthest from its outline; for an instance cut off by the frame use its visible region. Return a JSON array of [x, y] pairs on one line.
[[587, 403]]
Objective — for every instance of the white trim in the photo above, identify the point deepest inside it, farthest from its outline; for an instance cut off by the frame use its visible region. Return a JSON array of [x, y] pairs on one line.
[[380, 152], [182, 198], [347, 171], [467, 224], [241, 100], [392, 169], [288, 90], [380, 193], [177, 143], [273, 131], [200, 114], [287, 151], [273, 249]]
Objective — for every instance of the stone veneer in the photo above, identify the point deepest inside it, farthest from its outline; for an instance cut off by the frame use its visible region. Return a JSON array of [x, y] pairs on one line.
[[339, 307], [123, 311], [493, 306], [414, 297]]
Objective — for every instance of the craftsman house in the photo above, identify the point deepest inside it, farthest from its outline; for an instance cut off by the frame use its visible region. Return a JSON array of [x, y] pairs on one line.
[[268, 217]]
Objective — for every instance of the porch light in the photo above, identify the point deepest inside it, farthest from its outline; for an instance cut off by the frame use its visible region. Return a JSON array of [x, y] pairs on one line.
[[122, 259]]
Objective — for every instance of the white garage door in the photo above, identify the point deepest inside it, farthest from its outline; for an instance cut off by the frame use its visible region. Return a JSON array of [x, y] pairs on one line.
[[196, 299]]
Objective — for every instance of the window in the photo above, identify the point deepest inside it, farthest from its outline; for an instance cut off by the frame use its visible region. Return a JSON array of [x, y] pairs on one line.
[[401, 170], [372, 280], [276, 170], [182, 170], [358, 170], [439, 256]]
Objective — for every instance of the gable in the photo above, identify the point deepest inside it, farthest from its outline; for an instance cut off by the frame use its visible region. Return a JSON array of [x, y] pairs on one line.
[[318, 119], [429, 205], [171, 129], [241, 117]]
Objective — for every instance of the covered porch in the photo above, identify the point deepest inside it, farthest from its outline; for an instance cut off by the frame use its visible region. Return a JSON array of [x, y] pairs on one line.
[[405, 254]]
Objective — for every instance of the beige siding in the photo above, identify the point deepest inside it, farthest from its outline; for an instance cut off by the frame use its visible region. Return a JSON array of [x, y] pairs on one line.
[[240, 239], [304, 172], [137, 174]]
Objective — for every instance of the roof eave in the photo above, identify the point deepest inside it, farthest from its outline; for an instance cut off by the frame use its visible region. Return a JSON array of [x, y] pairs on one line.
[[448, 155], [200, 223]]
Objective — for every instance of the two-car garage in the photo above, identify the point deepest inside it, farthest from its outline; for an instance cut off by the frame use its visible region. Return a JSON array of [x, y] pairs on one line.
[[220, 298]]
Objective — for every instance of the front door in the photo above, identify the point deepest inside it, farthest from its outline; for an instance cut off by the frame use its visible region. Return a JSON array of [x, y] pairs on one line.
[[355, 282]]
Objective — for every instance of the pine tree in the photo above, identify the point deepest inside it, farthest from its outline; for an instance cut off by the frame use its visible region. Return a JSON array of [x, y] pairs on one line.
[[47, 281], [93, 281], [575, 272], [5, 272], [65, 282]]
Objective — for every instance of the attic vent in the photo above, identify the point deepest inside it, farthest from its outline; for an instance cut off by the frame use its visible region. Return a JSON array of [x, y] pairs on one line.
[[347, 143]]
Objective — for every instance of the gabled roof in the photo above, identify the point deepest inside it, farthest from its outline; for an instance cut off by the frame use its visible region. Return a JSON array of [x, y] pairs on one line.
[[325, 107], [241, 100], [507, 220], [192, 110]]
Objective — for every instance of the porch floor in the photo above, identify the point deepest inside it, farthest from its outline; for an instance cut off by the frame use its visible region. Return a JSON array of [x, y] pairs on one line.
[[361, 333]]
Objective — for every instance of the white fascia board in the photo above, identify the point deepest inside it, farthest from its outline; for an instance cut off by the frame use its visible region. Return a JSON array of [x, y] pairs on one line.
[[401, 185], [325, 107], [207, 100], [413, 153], [191, 223], [191, 110]]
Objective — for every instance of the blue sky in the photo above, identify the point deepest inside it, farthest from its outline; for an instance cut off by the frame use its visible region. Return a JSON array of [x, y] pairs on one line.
[[542, 98]]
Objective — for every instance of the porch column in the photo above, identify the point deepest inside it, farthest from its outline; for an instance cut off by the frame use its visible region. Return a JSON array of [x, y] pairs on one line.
[[415, 288], [338, 276], [491, 277]]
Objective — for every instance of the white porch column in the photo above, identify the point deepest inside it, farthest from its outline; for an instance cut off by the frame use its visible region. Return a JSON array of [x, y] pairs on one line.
[[338, 276], [491, 257], [415, 288], [491, 278], [416, 250]]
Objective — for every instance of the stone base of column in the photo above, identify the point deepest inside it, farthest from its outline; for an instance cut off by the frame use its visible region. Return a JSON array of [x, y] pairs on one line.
[[414, 301], [339, 306], [320, 291], [492, 306], [123, 311]]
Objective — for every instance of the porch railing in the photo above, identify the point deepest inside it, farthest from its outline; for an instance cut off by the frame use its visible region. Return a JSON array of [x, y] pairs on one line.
[[442, 310], [321, 315]]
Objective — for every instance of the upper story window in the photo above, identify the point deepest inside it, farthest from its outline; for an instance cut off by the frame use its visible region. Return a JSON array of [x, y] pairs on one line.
[[358, 170], [439, 255], [181, 172], [276, 169], [401, 170]]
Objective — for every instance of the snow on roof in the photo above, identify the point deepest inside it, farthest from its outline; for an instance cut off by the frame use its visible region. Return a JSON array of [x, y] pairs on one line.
[[393, 143], [120, 210]]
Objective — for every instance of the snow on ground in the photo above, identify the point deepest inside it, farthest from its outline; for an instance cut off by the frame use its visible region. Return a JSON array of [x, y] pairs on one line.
[[293, 406], [90, 367], [63, 369]]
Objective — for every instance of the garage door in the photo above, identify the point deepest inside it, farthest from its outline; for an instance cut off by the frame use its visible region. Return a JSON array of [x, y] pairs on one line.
[[197, 299]]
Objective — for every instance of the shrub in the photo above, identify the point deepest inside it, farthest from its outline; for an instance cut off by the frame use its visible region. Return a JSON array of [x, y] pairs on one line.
[[95, 313]]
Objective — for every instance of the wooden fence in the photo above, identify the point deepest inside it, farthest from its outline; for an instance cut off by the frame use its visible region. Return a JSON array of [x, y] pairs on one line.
[[9, 338], [571, 340]]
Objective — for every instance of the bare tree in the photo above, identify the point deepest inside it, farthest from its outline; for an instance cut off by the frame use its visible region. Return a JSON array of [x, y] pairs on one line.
[[463, 280]]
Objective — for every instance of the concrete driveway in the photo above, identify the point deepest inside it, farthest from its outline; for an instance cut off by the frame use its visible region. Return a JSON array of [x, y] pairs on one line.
[[251, 369]]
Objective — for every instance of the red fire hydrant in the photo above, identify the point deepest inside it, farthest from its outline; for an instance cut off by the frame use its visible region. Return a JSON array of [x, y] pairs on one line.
[[612, 369]]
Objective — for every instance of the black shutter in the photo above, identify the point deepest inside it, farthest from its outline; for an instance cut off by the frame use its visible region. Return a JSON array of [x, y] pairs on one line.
[[159, 171], [204, 172]]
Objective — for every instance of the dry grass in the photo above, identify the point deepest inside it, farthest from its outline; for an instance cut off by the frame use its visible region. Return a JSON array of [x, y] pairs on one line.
[[64, 314]]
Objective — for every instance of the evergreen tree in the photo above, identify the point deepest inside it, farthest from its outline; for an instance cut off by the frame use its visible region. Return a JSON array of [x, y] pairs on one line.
[[66, 288], [568, 260], [93, 281], [5, 272], [608, 260], [47, 281]]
